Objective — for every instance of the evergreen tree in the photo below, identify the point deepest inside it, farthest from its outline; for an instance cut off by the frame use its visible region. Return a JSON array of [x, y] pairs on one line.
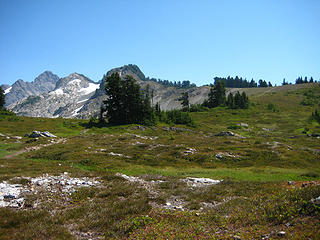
[[262, 83], [2, 98], [244, 101], [230, 101], [157, 109], [125, 103], [311, 80], [217, 94], [185, 101], [237, 100], [147, 110], [284, 82]]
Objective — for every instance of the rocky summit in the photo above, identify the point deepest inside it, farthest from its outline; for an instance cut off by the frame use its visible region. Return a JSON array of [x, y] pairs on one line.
[[66, 99], [20, 90]]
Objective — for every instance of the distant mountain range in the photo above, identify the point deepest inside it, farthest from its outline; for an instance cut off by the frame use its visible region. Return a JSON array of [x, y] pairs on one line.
[[77, 96]]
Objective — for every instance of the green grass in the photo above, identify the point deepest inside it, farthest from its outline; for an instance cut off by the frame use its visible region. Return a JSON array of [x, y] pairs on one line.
[[254, 198], [7, 148]]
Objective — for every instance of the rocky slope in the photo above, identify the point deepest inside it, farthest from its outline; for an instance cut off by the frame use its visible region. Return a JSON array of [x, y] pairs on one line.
[[66, 100], [45, 82], [166, 96], [76, 96]]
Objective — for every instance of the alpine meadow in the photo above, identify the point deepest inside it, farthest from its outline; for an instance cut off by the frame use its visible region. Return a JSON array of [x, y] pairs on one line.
[[159, 120]]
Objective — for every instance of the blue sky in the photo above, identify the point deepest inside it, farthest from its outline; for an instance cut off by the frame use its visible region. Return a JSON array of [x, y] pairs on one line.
[[174, 40]]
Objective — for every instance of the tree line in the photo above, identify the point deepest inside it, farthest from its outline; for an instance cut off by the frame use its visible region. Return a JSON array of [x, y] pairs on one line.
[[239, 82], [176, 84], [299, 80]]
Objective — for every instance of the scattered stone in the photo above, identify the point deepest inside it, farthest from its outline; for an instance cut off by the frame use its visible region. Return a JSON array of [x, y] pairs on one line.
[[118, 154], [189, 151], [175, 129], [17, 137], [11, 194], [228, 134], [315, 135], [200, 182], [223, 133], [243, 125], [235, 237], [221, 155], [266, 129], [2, 135], [36, 134], [290, 182], [281, 233], [145, 137], [139, 128], [316, 201], [166, 129], [136, 143], [178, 207], [47, 134], [265, 236]]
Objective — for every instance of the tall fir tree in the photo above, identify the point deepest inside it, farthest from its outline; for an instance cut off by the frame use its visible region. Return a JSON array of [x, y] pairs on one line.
[[230, 101], [2, 98], [125, 103], [185, 101], [244, 101], [217, 95]]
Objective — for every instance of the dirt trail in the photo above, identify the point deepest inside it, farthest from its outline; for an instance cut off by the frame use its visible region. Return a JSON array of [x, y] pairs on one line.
[[34, 148]]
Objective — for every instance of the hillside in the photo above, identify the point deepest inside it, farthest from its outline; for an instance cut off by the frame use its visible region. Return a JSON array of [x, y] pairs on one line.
[[168, 181], [46, 96]]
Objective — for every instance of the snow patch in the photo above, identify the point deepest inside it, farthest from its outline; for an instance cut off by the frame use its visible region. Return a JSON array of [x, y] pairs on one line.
[[74, 81], [83, 100], [92, 87], [75, 112], [57, 92], [7, 90]]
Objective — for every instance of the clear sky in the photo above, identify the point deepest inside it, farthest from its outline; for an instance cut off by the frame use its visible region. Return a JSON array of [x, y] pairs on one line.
[[192, 40]]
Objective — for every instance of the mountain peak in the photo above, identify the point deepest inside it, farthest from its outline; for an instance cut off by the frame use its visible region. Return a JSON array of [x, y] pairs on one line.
[[46, 77], [130, 69]]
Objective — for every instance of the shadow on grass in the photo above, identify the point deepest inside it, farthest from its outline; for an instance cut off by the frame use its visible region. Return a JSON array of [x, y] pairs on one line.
[[96, 124]]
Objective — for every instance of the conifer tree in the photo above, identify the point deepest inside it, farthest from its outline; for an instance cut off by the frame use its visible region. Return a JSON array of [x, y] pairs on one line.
[[244, 101], [217, 94], [2, 98], [185, 101], [230, 101], [125, 103], [237, 100]]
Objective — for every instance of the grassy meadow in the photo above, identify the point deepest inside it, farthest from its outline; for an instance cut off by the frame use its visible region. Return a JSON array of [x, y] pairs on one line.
[[273, 145]]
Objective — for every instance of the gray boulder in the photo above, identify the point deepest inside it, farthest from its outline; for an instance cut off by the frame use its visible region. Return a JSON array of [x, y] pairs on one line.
[[36, 134]]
